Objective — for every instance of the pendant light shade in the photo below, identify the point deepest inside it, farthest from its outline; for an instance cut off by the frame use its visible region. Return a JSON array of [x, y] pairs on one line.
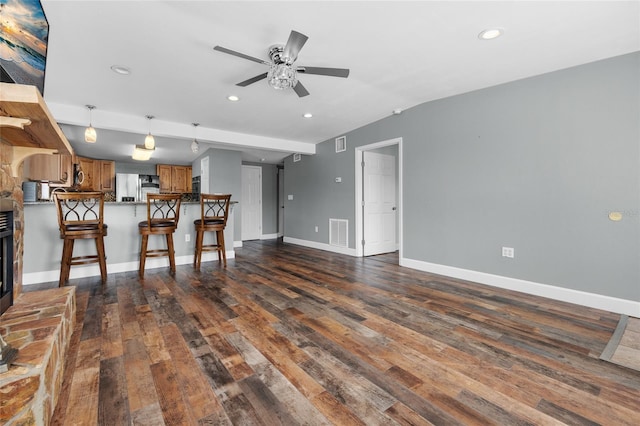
[[149, 141], [195, 145], [90, 135]]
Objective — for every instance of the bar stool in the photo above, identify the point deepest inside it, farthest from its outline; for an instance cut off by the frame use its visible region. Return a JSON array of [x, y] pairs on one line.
[[163, 213], [80, 216], [214, 211]]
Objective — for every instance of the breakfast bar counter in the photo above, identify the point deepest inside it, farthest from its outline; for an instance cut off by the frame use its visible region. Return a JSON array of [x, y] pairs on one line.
[[43, 246]]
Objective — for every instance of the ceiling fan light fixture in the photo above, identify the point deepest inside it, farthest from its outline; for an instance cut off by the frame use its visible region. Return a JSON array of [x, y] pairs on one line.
[[90, 135], [282, 76]]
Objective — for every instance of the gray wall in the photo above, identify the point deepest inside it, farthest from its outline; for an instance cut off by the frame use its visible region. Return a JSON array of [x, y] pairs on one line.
[[225, 177], [535, 164], [269, 197]]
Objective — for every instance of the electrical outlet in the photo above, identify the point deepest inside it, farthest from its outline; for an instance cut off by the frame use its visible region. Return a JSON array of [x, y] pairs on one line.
[[508, 252], [187, 238], [316, 229]]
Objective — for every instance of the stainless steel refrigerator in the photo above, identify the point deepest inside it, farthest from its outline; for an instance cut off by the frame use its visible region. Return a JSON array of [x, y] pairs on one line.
[[133, 187]]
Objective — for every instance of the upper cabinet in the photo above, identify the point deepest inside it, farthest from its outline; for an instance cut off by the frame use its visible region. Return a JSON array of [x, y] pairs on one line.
[[27, 125], [97, 175], [56, 168], [164, 172], [174, 178], [107, 173]]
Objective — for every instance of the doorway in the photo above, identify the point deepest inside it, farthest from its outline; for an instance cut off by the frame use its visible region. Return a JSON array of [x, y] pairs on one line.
[[280, 201], [379, 198], [251, 202]]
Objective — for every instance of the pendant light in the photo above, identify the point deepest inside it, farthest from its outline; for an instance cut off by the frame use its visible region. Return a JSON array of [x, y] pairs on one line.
[[90, 135], [195, 145], [149, 141]]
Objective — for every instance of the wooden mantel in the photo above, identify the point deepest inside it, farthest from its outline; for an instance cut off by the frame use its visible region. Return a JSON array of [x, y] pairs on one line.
[[27, 125]]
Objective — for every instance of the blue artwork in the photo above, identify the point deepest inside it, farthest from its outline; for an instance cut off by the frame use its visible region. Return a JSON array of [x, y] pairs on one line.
[[24, 31]]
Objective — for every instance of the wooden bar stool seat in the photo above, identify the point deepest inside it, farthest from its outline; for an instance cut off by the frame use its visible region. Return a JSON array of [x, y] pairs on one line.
[[80, 216], [163, 213], [214, 211]]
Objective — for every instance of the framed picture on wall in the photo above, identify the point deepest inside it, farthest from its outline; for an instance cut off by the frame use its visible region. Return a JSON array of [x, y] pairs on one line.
[[24, 33]]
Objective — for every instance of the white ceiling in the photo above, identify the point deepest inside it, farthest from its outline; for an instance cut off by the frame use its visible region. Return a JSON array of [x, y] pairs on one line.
[[400, 54]]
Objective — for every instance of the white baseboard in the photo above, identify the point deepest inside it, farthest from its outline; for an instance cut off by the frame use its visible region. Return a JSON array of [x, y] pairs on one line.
[[268, 236], [237, 244], [321, 246], [592, 300], [114, 268]]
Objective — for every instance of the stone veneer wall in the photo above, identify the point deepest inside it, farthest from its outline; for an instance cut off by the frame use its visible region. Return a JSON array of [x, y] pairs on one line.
[[11, 192], [39, 325]]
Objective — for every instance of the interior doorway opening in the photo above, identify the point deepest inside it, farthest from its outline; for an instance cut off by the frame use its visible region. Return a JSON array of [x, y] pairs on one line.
[[370, 219]]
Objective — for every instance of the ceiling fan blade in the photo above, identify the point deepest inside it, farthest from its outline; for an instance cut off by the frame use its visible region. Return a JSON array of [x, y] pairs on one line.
[[300, 90], [240, 55], [293, 46], [333, 72], [252, 80]]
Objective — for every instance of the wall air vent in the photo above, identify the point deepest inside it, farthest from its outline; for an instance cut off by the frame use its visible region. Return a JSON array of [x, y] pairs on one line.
[[339, 232], [341, 144], [296, 157]]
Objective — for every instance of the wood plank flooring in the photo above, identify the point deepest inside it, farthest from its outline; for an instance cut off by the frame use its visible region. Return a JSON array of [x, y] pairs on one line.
[[290, 335]]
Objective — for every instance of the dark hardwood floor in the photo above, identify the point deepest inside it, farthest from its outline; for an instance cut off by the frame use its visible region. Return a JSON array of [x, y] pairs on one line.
[[290, 335]]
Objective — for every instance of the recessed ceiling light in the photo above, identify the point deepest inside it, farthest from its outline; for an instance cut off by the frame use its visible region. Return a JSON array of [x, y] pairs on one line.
[[119, 69], [490, 34], [307, 115], [397, 111], [233, 98]]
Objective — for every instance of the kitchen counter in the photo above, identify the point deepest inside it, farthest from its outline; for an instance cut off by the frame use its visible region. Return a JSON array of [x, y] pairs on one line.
[[43, 246]]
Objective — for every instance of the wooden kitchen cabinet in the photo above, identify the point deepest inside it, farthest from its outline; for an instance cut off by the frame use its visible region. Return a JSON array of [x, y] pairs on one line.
[[99, 175], [106, 170], [55, 168], [174, 178], [87, 166], [164, 173]]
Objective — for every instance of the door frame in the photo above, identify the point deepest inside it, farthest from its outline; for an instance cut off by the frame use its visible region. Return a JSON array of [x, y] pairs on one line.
[[259, 170], [359, 192]]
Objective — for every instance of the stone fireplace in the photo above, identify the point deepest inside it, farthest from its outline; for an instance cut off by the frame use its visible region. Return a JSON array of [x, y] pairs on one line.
[[11, 201], [6, 259], [39, 324]]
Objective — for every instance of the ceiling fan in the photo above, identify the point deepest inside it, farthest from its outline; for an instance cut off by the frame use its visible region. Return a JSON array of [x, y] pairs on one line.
[[282, 73]]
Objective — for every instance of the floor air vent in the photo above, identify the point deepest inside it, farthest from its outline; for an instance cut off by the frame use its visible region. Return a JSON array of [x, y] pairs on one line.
[[338, 232]]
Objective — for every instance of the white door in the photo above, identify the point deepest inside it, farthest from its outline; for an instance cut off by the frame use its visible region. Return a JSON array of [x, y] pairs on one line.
[[379, 197], [251, 203], [204, 175]]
